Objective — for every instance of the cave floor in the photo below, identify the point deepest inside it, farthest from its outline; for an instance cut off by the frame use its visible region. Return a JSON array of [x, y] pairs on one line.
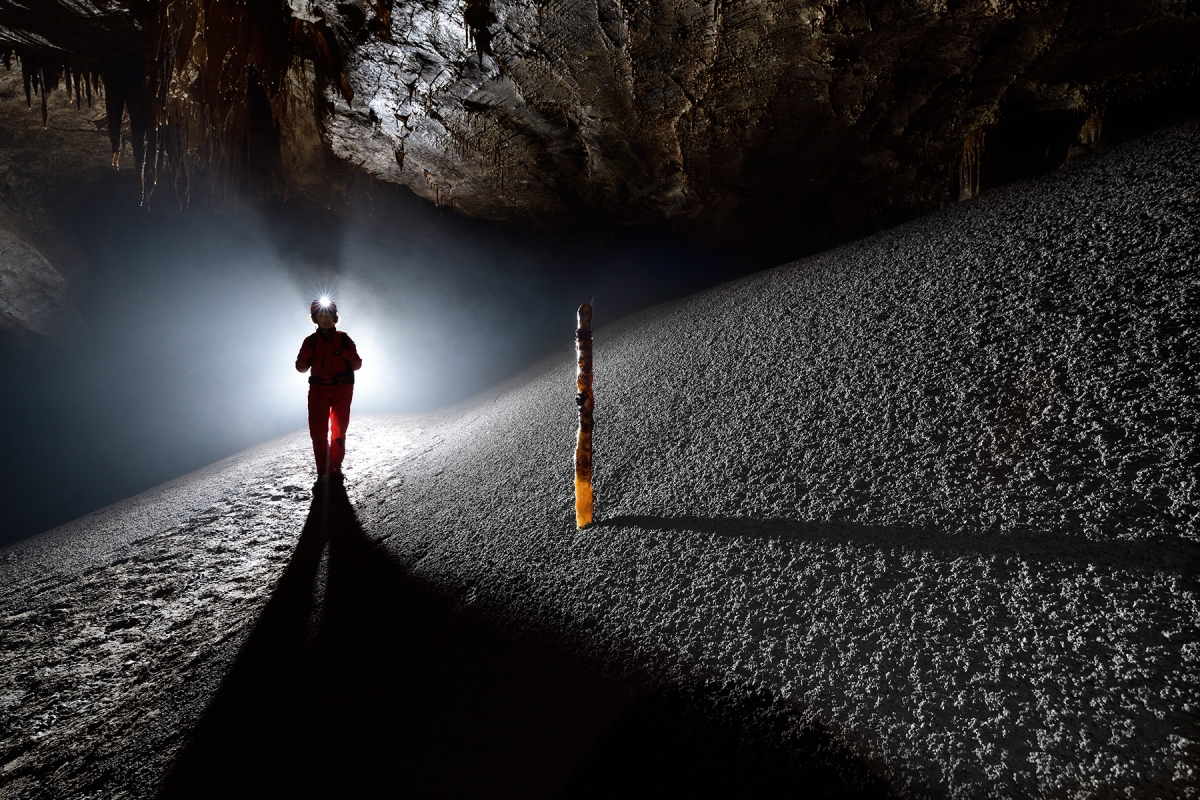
[[256, 641]]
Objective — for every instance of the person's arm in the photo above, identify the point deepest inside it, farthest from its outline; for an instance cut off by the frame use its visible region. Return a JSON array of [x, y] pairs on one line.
[[304, 359], [349, 353]]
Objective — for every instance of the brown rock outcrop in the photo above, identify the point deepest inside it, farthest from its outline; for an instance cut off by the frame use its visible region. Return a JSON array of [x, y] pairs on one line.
[[735, 120], [739, 117]]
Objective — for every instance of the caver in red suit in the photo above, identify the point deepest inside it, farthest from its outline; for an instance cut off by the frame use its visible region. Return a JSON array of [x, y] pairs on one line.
[[332, 358]]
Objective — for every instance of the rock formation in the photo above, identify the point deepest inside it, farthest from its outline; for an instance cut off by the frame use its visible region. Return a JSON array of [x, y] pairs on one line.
[[52, 151], [746, 117], [736, 120], [41, 172]]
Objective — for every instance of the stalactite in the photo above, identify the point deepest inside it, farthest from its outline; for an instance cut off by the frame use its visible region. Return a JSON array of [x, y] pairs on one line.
[[125, 93], [970, 168], [1091, 129], [26, 78], [44, 84], [201, 107], [186, 73], [43, 73], [478, 17]]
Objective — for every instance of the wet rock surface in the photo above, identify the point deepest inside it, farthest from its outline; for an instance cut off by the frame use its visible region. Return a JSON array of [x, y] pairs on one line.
[[917, 515], [119, 627]]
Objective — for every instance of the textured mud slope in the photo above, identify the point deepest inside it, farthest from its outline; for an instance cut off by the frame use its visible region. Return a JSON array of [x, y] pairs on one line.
[[232, 635], [116, 629], [936, 491], [939, 486]]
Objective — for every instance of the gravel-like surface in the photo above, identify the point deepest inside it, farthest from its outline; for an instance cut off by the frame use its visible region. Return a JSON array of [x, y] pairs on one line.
[[935, 491], [940, 486]]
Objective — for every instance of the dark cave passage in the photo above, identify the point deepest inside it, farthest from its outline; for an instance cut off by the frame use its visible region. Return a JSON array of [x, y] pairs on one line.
[[356, 682]]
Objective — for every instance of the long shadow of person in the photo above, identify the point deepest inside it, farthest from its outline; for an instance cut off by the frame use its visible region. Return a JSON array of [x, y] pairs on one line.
[[289, 717], [358, 682]]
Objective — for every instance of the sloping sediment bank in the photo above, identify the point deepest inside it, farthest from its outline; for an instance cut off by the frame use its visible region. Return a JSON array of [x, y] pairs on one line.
[[937, 488], [233, 634]]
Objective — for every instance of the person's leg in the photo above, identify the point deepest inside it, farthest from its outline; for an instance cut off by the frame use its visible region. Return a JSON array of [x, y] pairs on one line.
[[318, 425], [339, 420]]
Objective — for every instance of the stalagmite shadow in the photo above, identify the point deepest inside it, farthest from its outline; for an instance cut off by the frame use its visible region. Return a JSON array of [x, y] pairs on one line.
[[357, 682], [1166, 553]]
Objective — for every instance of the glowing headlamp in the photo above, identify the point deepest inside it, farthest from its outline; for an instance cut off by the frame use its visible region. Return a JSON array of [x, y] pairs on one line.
[[323, 306]]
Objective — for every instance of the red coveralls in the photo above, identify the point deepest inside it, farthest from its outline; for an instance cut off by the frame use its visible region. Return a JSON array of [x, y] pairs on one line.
[[333, 357]]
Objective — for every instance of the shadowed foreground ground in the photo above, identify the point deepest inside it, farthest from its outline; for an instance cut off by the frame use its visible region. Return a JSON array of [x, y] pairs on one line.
[[357, 683]]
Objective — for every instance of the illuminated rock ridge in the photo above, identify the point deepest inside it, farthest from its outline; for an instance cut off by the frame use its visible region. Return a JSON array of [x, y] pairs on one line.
[[744, 118]]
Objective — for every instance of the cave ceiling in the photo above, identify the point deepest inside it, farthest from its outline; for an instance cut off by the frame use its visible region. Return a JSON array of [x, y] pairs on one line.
[[732, 120]]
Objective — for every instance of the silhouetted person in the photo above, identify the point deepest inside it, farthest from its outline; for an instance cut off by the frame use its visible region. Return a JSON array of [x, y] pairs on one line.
[[332, 357]]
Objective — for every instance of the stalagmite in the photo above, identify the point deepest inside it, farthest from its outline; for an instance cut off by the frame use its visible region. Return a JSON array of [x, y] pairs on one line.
[[586, 401]]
